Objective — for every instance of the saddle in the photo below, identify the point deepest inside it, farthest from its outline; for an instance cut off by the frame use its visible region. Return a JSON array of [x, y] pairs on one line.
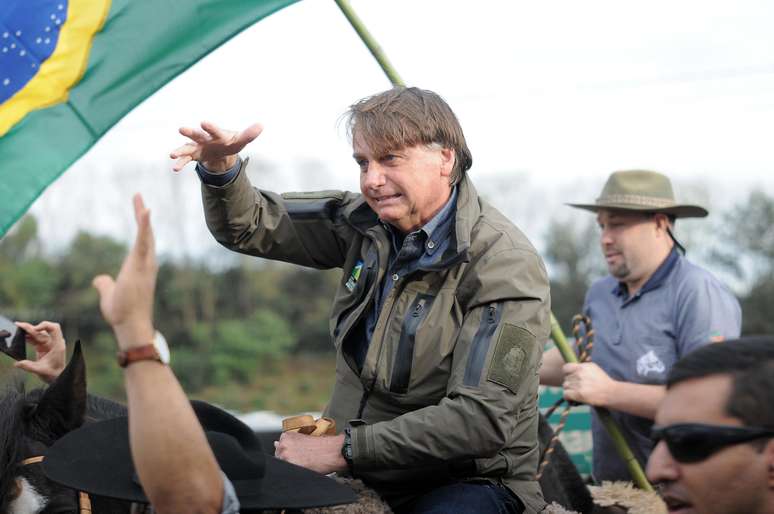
[[307, 425]]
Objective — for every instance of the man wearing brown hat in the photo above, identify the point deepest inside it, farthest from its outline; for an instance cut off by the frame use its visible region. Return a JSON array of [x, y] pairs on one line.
[[653, 308]]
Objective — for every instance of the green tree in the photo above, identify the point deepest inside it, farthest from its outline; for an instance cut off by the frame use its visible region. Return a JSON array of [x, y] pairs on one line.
[[233, 350], [572, 252], [748, 231], [27, 280], [306, 304]]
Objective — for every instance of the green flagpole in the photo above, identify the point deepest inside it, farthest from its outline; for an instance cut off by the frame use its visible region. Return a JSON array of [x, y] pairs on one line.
[[638, 475], [556, 331], [370, 42]]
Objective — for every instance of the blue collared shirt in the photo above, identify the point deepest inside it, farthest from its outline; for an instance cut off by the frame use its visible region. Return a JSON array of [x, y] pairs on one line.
[[639, 337]]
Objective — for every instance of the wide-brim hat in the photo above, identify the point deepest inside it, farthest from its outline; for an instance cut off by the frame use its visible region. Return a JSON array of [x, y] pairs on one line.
[[644, 191], [96, 459]]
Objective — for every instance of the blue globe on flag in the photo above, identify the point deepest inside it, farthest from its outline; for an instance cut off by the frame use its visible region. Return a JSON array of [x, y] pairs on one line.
[[29, 35], [44, 47]]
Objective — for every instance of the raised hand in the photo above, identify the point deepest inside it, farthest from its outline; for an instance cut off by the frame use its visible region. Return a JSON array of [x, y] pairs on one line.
[[50, 350], [127, 302], [214, 147]]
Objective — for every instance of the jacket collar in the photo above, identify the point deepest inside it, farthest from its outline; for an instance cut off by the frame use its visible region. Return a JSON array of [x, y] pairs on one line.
[[363, 218]]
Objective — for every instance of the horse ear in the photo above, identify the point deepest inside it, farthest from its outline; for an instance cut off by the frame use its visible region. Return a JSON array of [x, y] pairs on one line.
[[63, 404]]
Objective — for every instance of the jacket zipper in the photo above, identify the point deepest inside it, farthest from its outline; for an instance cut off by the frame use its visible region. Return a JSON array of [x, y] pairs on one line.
[[480, 345], [401, 372]]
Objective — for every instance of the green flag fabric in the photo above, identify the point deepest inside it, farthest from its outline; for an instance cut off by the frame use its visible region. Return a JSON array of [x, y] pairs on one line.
[[70, 69]]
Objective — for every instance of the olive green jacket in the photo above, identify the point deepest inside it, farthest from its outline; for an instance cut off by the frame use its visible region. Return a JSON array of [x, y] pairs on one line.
[[449, 385]]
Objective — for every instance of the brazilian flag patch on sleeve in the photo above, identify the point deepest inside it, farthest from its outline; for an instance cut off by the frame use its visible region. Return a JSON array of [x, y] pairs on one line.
[[511, 355]]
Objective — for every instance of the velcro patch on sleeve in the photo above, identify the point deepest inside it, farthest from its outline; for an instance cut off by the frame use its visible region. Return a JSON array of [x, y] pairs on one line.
[[511, 355]]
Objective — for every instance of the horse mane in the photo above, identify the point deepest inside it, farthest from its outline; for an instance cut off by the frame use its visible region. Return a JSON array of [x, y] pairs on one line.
[[561, 482], [12, 406], [98, 408]]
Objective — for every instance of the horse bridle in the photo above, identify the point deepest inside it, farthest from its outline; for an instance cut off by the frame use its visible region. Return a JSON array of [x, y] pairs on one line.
[[84, 501]]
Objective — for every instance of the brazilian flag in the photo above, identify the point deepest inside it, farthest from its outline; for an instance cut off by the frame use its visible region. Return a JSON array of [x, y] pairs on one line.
[[70, 69]]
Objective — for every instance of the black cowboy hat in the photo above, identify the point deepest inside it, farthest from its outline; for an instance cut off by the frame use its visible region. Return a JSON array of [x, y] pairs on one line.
[[96, 459]]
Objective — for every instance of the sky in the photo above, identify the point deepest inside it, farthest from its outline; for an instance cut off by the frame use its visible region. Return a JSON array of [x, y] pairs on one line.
[[552, 96]]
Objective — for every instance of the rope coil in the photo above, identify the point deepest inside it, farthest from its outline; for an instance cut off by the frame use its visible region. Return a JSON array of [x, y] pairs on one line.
[[583, 333]]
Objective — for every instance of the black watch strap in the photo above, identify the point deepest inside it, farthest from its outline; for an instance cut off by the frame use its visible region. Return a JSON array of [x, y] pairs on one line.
[[346, 449]]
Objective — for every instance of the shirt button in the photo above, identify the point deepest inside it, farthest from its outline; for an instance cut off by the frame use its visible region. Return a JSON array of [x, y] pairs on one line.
[[395, 277], [431, 244]]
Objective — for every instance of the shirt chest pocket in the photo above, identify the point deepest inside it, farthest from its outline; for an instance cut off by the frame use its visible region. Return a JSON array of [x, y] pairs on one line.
[[653, 359]]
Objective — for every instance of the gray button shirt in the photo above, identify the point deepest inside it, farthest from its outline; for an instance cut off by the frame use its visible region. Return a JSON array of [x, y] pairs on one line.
[[639, 338]]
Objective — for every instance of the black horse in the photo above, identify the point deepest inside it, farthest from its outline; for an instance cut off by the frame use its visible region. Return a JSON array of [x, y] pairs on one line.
[[561, 482], [30, 423]]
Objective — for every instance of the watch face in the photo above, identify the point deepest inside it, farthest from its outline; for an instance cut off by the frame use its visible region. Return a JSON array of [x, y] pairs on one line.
[[161, 346]]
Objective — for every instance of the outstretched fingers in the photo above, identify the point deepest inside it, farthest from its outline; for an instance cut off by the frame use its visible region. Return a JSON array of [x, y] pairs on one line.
[[104, 284], [216, 133], [143, 244], [249, 134], [214, 147], [181, 162], [237, 140], [184, 154], [196, 135]]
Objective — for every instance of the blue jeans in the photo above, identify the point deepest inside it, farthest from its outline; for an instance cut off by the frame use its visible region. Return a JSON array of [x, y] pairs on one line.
[[465, 498]]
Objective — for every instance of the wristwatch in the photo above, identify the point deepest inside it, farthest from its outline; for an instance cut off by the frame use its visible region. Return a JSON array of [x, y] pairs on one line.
[[346, 449], [155, 351]]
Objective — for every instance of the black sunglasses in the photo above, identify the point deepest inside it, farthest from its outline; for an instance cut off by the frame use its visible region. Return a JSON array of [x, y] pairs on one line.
[[694, 442]]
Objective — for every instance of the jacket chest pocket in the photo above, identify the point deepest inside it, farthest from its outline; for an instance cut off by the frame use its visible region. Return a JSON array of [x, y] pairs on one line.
[[404, 355]]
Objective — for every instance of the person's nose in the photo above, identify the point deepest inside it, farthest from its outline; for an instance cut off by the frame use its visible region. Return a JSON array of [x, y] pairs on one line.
[[605, 237], [374, 177], [661, 466]]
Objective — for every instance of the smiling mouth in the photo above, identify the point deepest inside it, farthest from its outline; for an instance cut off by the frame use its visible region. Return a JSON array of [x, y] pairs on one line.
[[387, 198], [677, 506]]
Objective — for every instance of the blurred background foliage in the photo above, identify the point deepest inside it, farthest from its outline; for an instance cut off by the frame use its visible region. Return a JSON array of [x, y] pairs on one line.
[[254, 335]]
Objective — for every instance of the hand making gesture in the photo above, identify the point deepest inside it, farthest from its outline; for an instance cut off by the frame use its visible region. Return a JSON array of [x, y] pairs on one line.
[[212, 146], [49, 343], [127, 301]]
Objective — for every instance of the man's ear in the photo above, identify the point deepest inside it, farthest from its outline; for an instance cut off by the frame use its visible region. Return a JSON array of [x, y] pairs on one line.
[[662, 220], [448, 158]]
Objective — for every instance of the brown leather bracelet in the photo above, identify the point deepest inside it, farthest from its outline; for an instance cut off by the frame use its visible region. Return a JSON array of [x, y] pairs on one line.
[[141, 353]]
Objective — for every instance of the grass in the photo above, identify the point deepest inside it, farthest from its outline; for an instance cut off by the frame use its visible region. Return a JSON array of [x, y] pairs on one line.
[[298, 383]]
